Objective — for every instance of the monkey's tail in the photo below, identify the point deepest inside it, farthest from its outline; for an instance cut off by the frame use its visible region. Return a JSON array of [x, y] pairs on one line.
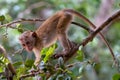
[[93, 26], [80, 16]]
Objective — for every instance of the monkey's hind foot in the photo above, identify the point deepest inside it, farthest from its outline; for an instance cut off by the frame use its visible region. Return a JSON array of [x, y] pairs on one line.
[[67, 53]]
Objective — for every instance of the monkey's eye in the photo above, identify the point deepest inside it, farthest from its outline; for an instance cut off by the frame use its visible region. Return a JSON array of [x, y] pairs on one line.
[[27, 42], [23, 44]]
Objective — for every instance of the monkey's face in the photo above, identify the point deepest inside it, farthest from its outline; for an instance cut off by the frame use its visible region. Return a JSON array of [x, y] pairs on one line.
[[27, 40]]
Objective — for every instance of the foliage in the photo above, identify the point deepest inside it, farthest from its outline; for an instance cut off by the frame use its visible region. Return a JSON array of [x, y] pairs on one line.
[[48, 52], [116, 76]]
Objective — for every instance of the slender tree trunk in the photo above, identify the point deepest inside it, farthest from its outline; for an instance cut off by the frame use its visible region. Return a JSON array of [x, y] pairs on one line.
[[104, 11]]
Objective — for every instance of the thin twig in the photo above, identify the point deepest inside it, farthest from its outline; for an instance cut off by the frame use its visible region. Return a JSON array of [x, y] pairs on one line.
[[31, 74], [19, 21], [73, 64], [34, 20]]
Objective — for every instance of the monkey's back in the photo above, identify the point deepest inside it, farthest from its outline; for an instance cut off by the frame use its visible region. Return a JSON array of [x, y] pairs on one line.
[[50, 28], [47, 31]]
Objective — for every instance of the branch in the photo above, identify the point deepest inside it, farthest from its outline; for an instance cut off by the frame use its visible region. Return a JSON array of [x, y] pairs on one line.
[[34, 20], [31, 74], [19, 21], [100, 28], [100, 34]]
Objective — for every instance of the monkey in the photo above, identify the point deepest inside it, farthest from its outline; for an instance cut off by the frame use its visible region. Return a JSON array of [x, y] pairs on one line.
[[52, 29]]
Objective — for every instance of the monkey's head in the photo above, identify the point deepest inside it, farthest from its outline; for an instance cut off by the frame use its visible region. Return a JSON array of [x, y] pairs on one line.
[[27, 40]]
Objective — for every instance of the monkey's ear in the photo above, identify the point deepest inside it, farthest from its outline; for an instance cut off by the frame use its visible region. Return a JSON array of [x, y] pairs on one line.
[[34, 34]]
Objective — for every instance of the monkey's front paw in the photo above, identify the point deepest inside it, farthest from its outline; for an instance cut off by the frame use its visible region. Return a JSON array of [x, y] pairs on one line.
[[36, 63]]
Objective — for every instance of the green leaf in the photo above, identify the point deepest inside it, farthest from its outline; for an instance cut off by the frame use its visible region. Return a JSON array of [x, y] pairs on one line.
[[20, 30], [116, 76], [44, 51], [19, 26], [1, 69], [3, 59], [1, 62], [48, 52], [29, 63], [80, 55], [17, 64], [8, 17], [21, 70], [2, 18]]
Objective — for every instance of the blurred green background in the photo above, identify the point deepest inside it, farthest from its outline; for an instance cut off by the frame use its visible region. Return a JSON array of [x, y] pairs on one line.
[[95, 10]]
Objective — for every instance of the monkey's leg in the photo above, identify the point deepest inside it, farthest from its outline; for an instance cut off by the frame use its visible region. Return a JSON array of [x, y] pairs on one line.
[[62, 25], [66, 44], [69, 47]]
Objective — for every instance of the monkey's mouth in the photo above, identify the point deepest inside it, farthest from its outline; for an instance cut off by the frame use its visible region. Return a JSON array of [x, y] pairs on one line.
[[29, 49]]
